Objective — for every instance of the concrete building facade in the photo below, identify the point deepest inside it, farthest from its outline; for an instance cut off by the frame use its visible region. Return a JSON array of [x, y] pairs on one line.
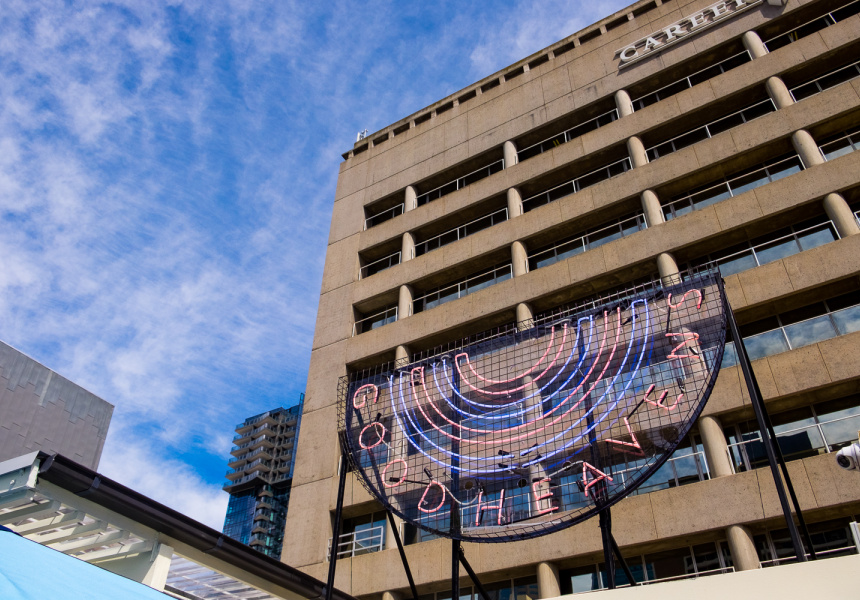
[[260, 478], [43, 411], [664, 137]]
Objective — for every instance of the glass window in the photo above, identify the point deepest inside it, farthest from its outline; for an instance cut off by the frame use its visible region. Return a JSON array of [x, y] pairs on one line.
[[811, 331], [765, 344], [671, 563], [580, 579]]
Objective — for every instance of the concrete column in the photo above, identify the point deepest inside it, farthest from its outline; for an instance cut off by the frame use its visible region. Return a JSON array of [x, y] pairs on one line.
[[390, 542], [840, 213], [410, 202], [515, 203], [806, 148], [404, 302], [742, 546], [519, 259], [716, 449], [753, 43], [525, 316], [391, 596], [548, 581], [623, 103], [636, 149], [668, 269], [407, 247], [401, 354], [509, 151], [778, 92], [651, 207]]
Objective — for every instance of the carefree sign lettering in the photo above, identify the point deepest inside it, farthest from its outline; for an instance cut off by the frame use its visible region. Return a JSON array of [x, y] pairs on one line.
[[533, 431], [659, 40]]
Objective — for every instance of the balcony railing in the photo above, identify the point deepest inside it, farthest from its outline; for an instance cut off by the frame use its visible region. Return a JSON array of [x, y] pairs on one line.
[[383, 216], [736, 184], [592, 239], [458, 233], [857, 216], [689, 81], [462, 288], [580, 183], [358, 542], [810, 27], [775, 249], [844, 144], [389, 315], [825, 82], [247, 478], [460, 182], [711, 129], [567, 135], [380, 265]]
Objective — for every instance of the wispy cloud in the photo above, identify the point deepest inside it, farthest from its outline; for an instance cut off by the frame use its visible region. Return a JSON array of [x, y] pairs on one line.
[[166, 178]]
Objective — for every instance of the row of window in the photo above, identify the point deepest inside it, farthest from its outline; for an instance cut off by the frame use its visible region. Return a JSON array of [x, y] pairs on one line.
[[802, 90]]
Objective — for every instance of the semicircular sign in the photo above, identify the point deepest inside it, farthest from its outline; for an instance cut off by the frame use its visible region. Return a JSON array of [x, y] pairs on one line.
[[533, 431]]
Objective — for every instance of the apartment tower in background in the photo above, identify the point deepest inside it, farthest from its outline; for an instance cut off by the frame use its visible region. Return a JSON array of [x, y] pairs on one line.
[[669, 135], [260, 478]]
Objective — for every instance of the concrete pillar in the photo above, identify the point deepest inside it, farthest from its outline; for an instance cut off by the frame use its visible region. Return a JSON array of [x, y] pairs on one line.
[[401, 354], [525, 316], [840, 213], [806, 148], [390, 542], [636, 149], [509, 151], [548, 581], [515, 203], [404, 302], [778, 92], [651, 207], [623, 103], [407, 247], [716, 449], [391, 596], [519, 259], [410, 202], [668, 269], [753, 43], [742, 546]]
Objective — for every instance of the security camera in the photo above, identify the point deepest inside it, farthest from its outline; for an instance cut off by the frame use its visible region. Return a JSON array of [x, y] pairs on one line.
[[849, 457]]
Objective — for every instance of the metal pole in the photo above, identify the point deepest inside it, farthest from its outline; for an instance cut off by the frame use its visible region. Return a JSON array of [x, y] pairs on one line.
[[402, 555], [338, 515], [472, 575], [621, 560], [608, 558], [455, 569], [758, 407]]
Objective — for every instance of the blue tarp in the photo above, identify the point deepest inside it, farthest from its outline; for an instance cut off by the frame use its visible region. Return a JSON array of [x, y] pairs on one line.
[[30, 571]]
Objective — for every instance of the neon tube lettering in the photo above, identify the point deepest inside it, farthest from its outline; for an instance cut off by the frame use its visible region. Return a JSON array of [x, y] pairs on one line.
[[424, 498], [381, 431], [635, 447], [490, 506], [544, 496], [661, 401], [586, 469], [689, 336], [698, 294], [402, 477], [362, 393]]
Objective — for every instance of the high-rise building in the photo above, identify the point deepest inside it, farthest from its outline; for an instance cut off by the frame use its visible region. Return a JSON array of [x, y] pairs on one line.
[[41, 410], [669, 135], [260, 478]]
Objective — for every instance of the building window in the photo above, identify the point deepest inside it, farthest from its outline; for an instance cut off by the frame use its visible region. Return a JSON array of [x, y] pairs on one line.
[[821, 428], [777, 245], [460, 182], [361, 535], [458, 233], [374, 321], [378, 216], [732, 185], [577, 184], [592, 238], [810, 27], [462, 288], [568, 135], [379, 265], [841, 143], [797, 328], [680, 563], [824, 82], [829, 538]]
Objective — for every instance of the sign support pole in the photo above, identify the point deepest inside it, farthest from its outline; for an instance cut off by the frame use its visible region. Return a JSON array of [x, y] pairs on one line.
[[338, 517], [472, 575], [767, 436], [402, 555]]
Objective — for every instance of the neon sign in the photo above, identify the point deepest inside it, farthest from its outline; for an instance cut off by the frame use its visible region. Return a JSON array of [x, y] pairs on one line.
[[532, 431]]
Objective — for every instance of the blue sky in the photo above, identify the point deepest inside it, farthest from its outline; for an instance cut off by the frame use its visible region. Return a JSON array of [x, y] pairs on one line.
[[167, 171]]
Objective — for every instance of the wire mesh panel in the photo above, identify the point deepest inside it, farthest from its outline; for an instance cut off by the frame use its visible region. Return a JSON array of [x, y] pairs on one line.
[[528, 431]]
